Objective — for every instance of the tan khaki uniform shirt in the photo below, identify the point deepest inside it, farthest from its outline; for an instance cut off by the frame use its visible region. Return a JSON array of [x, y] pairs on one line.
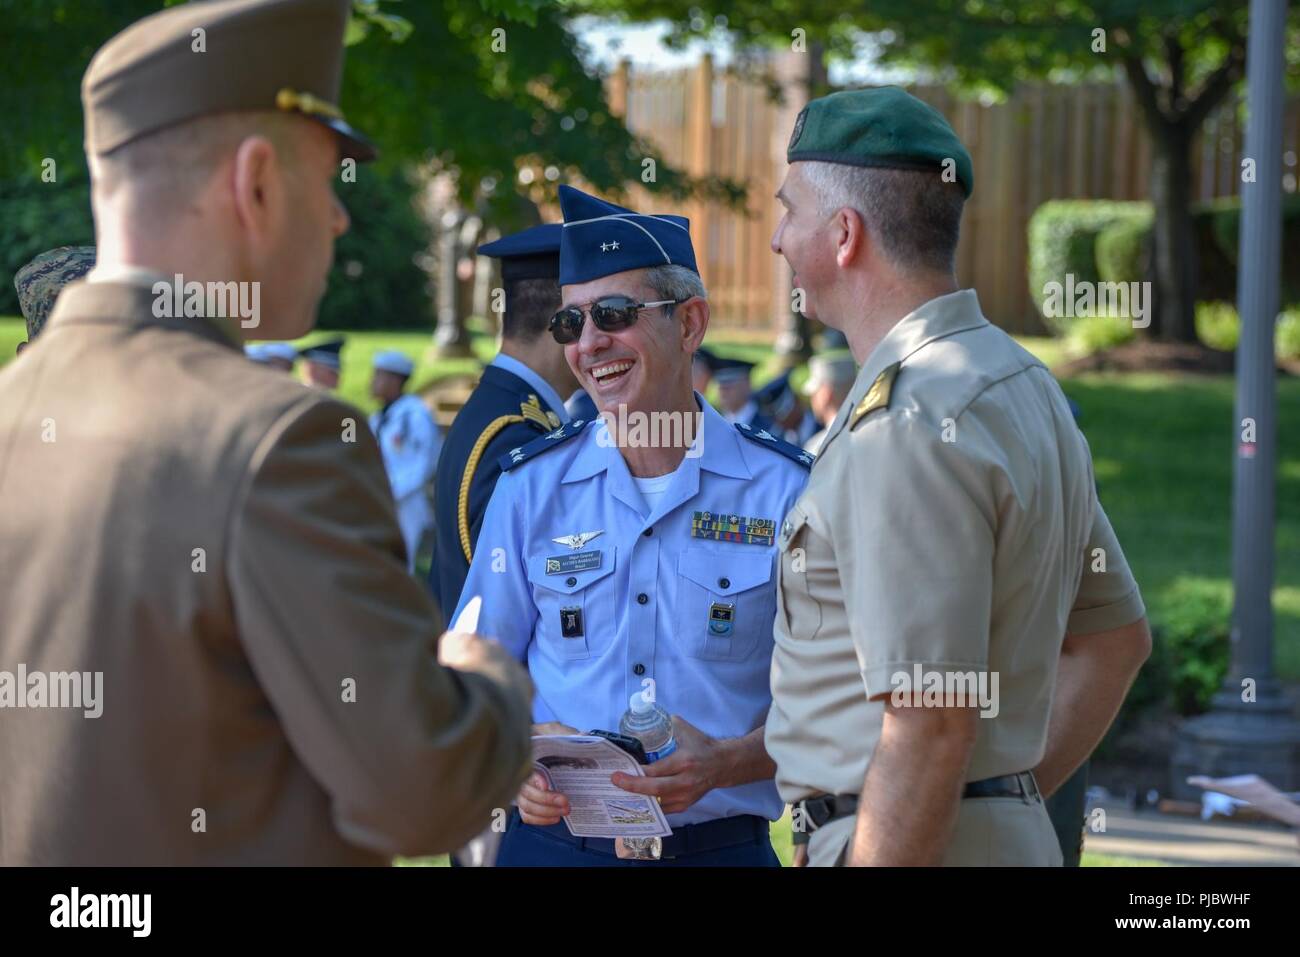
[[955, 529], [221, 544]]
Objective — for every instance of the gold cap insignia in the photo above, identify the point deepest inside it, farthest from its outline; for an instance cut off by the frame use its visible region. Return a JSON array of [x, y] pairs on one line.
[[291, 100]]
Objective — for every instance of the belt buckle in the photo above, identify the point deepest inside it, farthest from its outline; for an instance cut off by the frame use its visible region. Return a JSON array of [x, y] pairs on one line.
[[810, 823], [1029, 792]]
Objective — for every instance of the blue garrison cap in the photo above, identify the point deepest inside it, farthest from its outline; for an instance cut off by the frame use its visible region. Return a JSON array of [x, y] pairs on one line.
[[776, 397], [726, 369], [324, 353], [531, 254], [601, 239], [398, 363]]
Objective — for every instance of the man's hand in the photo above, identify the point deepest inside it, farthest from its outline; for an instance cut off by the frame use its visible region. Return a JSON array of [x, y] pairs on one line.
[[466, 652], [539, 805], [800, 856], [699, 765]]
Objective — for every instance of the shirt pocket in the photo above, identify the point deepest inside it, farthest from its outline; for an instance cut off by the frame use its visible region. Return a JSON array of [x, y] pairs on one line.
[[726, 603], [588, 594], [799, 615]]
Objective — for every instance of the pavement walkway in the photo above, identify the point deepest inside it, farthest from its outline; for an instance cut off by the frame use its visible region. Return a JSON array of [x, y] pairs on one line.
[[1191, 842]]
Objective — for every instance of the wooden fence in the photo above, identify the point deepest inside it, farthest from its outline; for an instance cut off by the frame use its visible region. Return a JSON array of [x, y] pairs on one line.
[[1044, 142]]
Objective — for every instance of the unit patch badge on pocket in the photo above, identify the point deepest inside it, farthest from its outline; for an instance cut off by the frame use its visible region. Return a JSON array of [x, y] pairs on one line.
[[722, 617]]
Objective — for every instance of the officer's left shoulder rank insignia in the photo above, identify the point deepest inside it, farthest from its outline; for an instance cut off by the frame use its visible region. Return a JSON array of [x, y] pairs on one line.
[[550, 440], [776, 444], [877, 396], [724, 527]]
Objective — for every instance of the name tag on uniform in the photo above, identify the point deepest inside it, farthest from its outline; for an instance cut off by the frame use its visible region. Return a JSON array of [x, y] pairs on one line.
[[566, 564], [721, 527], [722, 618], [571, 622]]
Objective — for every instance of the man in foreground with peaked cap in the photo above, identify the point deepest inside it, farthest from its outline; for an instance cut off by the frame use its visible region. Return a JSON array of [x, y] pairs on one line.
[[958, 625], [265, 674], [639, 551]]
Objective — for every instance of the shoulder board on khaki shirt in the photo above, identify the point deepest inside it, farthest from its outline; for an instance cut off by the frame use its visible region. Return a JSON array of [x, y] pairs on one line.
[[877, 396]]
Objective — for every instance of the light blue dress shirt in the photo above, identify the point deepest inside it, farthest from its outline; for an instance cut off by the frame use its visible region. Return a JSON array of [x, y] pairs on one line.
[[651, 603], [539, 385]]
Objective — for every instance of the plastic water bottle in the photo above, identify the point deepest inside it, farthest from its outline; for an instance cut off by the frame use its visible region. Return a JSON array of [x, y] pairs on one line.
[[649, 724], [653, 727]]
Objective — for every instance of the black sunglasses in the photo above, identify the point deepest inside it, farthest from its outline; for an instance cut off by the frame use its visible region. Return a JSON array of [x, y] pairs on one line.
[[610, 314]]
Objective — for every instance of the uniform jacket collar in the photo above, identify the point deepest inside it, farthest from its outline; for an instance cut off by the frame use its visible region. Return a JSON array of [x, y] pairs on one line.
[[529, 381], [517, 389], [131, 305], [939, 317], [720, 452]]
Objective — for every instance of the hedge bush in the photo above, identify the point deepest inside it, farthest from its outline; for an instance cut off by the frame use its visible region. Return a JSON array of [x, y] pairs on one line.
[[1094, 333], [1063, 240], [1124, 249], [374, 282], [1219, 327], [1194, 632], [1065, 237]]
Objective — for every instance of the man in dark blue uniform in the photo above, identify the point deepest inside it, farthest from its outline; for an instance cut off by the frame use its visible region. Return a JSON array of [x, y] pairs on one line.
[[736, 399], [518, 399], [778, 402]]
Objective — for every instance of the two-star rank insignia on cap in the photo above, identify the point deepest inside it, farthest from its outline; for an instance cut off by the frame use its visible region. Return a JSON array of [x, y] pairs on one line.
[[877, 396], [764, 437], [548, 441], [722, 527]]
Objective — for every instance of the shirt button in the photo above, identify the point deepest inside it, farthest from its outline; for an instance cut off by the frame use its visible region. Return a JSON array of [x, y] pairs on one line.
[[642, 598], [647, 532], [639, 670], [571, 582], [724, 582]]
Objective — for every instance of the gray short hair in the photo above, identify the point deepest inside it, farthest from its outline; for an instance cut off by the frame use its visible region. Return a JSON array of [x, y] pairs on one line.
[[675, 282], [915, 215]]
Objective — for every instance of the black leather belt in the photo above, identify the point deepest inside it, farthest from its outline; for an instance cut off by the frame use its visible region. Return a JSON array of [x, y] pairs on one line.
[[821, 810]]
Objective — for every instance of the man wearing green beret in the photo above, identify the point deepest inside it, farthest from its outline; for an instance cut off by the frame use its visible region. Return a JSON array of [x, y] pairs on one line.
[[241, 669], [957, 625]]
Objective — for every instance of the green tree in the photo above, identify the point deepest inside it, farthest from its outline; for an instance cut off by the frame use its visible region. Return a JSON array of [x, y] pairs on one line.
[[1181, 58], [471, 88], [475, 90]]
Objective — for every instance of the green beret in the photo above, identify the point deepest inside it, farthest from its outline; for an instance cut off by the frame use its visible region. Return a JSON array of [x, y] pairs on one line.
[[884, 127], [41, 280]]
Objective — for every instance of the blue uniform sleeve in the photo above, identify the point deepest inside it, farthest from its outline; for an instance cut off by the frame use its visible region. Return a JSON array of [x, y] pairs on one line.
[[499, 573]]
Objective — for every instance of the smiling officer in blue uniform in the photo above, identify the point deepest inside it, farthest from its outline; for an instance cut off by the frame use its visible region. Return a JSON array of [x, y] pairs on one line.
[[642, 546], [517, 399]]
